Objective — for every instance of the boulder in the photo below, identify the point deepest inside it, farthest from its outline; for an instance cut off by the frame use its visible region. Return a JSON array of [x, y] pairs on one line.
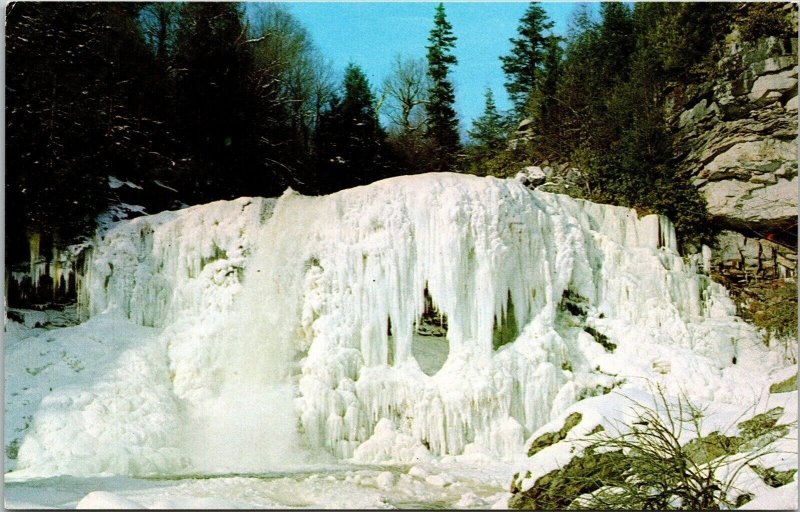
[[773, 86], [525, 125], [532, 176]]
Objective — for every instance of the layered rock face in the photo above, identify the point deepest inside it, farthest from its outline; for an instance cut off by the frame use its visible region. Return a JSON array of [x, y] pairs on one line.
[[754, 256], [737, 135]]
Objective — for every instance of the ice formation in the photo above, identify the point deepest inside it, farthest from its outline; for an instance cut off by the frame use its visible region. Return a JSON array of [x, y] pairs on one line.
[[296, 322], [50, 272]]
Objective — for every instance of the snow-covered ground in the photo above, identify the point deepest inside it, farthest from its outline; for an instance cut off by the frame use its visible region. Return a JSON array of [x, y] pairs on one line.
[[464, 484], [275, 344]]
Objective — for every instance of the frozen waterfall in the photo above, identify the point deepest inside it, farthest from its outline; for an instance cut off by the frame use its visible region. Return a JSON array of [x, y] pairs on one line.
[[305, 323]]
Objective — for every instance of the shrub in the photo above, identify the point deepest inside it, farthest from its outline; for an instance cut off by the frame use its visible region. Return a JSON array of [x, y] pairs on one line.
[[775, 311], [663, 474], [766, 19], [648, 465], [785, 386]]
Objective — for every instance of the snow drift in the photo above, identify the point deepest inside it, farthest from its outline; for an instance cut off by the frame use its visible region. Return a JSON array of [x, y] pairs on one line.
[[296, 324]]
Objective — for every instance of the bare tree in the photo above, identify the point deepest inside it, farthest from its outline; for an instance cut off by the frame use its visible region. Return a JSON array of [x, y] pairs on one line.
[[406, 92], [290, 69]]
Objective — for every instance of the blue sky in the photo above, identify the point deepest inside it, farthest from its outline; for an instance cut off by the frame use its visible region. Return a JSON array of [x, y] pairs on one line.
[[370, 34]]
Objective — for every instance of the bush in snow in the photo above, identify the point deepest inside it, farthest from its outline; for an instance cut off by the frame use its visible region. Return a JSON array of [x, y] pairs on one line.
[[661, 460]]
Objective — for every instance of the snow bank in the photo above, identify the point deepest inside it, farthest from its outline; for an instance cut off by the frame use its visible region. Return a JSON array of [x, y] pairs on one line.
[[272, 312], [106, 500], [102, 401]]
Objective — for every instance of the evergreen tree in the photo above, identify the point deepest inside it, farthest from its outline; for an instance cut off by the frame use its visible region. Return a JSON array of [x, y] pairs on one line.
[[490, 129], [78, 110], [523, 66], [617, 41], [442, 122], [351, 143], [551, 74], [214, 110], [488, 136], [543, 104]]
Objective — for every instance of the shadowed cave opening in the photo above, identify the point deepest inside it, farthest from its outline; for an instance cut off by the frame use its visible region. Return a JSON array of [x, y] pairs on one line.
[[429, 344], [505, 328]]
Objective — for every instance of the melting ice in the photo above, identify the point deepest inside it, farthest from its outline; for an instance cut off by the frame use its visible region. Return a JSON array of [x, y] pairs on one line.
[[416, 317]]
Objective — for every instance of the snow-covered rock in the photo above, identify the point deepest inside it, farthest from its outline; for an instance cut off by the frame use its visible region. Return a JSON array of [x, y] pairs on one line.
[[532, 176]]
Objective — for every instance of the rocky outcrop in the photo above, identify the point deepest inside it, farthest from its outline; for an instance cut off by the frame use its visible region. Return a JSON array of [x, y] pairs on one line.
[[736, 135], [755, 257], [555, 177], [760, 277]]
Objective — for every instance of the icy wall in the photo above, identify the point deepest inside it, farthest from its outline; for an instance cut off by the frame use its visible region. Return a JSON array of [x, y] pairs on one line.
[[47, 276], [307, 309]]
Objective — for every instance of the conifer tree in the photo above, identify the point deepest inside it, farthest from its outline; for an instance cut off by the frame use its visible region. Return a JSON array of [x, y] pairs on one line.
[[523, 66], [488, 138], [213, 108], [442, 121], [351, 142], [78, 109], [543, 105], [617, 40], [489, 130], [551, 72]]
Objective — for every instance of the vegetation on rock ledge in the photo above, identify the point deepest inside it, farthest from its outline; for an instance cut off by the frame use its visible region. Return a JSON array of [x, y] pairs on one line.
[[649, 466]]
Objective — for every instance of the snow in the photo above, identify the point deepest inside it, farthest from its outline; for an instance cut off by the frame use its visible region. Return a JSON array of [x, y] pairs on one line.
[[114, 182], [345, 487], [94, 372], [103, 499], [213, 332], [117, 212], [29, 317], [779, 498], [162, 185]]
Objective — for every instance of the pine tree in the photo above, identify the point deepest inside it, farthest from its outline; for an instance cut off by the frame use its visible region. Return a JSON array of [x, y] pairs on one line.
[[442, 121], [551, 73], [488, 138], [214, 110], [489, 130], [351, 143], [544, 104], [523, 66], [617, 40], [78, 109]]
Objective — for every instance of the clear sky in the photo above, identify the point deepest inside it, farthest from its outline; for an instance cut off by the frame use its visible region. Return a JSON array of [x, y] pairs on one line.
[[370, 34]]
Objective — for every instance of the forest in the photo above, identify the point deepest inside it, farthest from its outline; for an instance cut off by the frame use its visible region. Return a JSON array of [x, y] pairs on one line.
[[195, 102]]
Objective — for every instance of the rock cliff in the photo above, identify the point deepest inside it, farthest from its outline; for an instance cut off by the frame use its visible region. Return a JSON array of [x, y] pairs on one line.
[[736, 133]]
